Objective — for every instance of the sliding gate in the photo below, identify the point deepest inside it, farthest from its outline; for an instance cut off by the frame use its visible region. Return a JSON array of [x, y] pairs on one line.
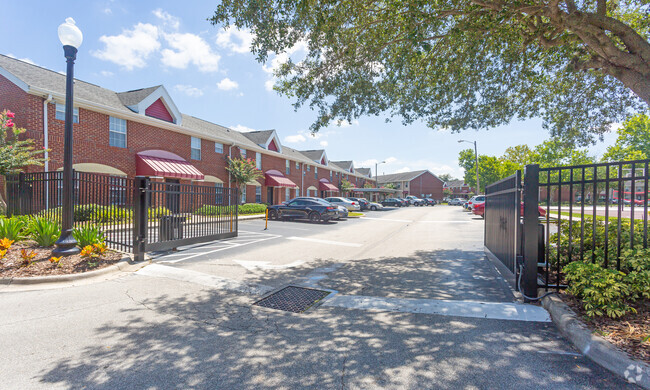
[[169, 214]]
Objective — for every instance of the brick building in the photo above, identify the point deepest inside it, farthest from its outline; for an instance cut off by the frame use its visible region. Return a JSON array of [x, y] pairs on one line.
[[142, 132], [459, 189], [422, 184]]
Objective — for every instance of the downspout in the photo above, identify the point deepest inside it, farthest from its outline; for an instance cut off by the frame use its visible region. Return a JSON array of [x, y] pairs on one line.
[[302, 179], [46, 144]]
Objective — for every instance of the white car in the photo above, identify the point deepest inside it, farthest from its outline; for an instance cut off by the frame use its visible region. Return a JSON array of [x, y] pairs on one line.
[[375, 206], [342, 212], [347, 203]]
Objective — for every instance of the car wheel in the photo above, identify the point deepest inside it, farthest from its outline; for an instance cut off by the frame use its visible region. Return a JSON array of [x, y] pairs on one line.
[[314, 217], [273, 214], [373, 208]]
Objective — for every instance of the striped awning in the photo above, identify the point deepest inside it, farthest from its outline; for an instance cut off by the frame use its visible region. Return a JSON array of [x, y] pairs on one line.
[[276, 179], [166, 167]]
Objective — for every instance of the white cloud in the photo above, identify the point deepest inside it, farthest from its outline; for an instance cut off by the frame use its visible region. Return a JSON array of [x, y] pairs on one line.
[[405, 169], [235, 40], [189, 48], [242, 129], [188, 90], [294, 139], [132, 48], [106, 73], [227, 84], [299, 49], [324, 143], [167, 19], [27, 60], [268, 84], [390, 160], [107, 11], [345, 123]]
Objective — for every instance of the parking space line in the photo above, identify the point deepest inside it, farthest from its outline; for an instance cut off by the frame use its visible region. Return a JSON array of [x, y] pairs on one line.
[[234, 245], [388, 219], [445, 221], [325, 241]]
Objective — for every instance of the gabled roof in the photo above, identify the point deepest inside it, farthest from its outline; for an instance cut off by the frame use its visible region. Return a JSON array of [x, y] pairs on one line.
[[263, 138], [404, 176], [133, 98], [346, 165], [456, 183], [316, 155], [363, 171]]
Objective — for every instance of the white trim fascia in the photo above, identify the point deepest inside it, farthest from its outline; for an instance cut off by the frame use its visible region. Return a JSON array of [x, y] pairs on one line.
[[274, 136], [10, 76], [158, 93]]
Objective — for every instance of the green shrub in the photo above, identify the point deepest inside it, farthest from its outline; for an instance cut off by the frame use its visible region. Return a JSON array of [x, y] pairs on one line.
[[252, 208], [88, 235], [157, 212], [43, 231], [636, 262], [105, 214], [14, 228]]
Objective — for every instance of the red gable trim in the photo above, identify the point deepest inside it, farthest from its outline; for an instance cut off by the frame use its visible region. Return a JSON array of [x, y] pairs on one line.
[[322, 161], [273, 146], [158, 110]]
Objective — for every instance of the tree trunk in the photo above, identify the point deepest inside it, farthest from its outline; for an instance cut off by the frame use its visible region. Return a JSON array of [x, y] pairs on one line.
[[635, 81]]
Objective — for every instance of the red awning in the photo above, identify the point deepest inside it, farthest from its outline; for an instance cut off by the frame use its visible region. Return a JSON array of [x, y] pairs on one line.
[[325, 185], [165, 167], [276, 179]]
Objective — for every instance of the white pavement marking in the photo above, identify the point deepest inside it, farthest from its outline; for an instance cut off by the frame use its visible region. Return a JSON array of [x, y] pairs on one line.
[[189, 276], [445, 221], [234, 245], [355, 245], [490, 310], [251, 264], [387, 219]]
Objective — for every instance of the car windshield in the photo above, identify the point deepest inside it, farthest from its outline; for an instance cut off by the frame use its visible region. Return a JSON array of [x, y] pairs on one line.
[[321, 201]]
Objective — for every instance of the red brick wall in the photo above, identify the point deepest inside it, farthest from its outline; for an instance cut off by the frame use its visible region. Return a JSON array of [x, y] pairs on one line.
[[426, 183]]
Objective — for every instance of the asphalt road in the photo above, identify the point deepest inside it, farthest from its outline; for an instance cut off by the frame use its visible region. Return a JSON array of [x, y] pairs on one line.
[[416, 306]]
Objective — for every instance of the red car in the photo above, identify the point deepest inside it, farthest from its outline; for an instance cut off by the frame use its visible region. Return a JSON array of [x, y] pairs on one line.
[[479, 209]]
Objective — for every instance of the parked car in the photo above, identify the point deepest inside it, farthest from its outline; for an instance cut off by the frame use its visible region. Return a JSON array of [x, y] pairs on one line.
[[414, 200], [363, 202], [405, 203], [475, 200], [480, 210], [394, 202], [314, 209], [457, 202], [429, 202], [345, 202], [375, 206], [342, 212]]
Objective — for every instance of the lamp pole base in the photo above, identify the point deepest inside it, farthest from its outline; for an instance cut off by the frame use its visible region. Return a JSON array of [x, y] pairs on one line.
[[66, 245]]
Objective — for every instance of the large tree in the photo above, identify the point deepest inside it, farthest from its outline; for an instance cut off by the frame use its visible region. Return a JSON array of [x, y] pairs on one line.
[[633, 142], [242, 171], [457, 63]]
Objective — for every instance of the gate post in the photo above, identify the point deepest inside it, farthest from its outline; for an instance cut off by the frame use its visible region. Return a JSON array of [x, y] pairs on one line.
[[530, 231], [140, 211]]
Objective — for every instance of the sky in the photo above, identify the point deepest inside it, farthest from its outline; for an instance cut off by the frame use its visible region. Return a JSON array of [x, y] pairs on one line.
[[211, 74]]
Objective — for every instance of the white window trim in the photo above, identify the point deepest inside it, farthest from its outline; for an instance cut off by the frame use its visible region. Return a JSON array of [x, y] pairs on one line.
[[126, 132], [75, 112], [215, 147], [193, 148]]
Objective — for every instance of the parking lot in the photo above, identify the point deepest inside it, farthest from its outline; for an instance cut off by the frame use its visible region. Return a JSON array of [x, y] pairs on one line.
[[413, 304]]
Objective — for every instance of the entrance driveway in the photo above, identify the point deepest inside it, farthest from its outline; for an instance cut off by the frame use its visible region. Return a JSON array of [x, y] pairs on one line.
[[409, 284]]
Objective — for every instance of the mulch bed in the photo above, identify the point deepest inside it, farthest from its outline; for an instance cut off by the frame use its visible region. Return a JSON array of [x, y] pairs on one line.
[[627, 332], [11, 266]]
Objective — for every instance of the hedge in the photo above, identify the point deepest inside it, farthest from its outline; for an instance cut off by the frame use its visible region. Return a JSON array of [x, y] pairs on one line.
[[244, 209]]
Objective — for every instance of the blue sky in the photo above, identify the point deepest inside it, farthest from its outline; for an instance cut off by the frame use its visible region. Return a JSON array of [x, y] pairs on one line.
[[211, 74]]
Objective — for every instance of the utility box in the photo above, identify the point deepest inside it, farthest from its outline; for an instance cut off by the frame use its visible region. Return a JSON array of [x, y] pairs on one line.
[[170, 227]]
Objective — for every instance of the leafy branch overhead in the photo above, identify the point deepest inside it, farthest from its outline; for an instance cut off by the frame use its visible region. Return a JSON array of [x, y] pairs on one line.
[[579, 65]]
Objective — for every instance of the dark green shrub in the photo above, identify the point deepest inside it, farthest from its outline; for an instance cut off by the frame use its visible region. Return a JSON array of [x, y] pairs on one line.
[[14, 228], [43, 231], [105, 214], [214, 210], [88, 235], [252, 208], [603, 291], [157, 212]]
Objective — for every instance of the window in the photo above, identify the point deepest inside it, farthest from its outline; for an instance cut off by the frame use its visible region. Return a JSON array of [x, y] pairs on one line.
[[242, 152], [406, 184], [288, 168], [117, 132], [316, 173], [297, 165], [258, 160], [330, 175], [60, 113], [196, 149], [287, 193], [258, 194], [218, 148], [308, 168], [243, 195], [218, 189]]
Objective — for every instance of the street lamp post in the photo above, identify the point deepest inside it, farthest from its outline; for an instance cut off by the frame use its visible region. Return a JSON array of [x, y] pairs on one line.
[[377, 174], [475, 156], [71, 38]]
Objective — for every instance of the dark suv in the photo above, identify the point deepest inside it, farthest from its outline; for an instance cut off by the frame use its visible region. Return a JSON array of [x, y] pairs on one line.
[[314, 209], [391, 202]]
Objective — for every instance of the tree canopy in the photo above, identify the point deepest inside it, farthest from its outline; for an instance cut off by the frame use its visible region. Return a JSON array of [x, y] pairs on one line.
[[242, 171], [457, 64], [633, 142]]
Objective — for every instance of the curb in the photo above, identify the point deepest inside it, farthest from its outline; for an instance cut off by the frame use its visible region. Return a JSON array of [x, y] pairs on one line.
[[253, 216], [595, 347], [124, 265]]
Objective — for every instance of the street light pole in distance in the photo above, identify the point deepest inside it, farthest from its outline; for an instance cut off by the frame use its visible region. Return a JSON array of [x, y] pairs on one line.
[[476, 157]]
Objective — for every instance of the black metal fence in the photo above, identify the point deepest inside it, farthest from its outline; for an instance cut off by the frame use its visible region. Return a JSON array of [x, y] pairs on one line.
[[98, 199], [593, 212], [570, 213], [136, 215], [502, 219], [182, 214]]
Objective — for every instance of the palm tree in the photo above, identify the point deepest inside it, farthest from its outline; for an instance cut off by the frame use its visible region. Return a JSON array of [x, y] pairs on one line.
[[242, 171]]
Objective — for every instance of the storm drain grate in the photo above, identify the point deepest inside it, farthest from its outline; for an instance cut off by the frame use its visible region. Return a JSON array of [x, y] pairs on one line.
[[293, 299]]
